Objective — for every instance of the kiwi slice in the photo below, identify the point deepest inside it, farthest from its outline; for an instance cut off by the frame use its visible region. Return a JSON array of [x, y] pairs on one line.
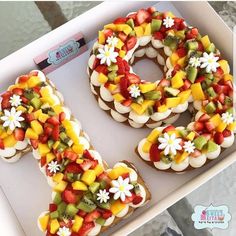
[[112, 75], [54, 215], [183, 132], [30, 94], [171, 41], [113, 67], [130, 22], [61, 208], [192, 45], [50, 143], [211, 48], [94, 187], [199, 142], [136, 189], [210, 108], [57, 198], [167, 159], [86, 205], [171, 92], [150, 110], [155, 25], [139, 100], [103, 184], [152, 95], [71, 210], [192, 73], [101, 221], [211, 146], [36, 103], [104, 205], [211, 92]]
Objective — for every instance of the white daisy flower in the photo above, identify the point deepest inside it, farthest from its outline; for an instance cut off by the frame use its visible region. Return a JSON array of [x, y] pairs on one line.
[[227, 118], [53, 167], [63, 231], [134, 91], [107, 55], [121, 188], [169, 143], [15, 100], [209, 61], [195, 62], [189, 147], [12, 118], [168, 22], [103, 196], [112, 41]]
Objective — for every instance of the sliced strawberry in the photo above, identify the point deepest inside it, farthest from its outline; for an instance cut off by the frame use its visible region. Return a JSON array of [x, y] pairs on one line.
[[108, 33], [200, 47], [24, 100], [142, 16], [131, 42], [120, 20], [164, 83], [121, 66], [132, 16], [151, 10], [86, 164], [181, 52], [154, 153], [104, 177], [18, 91], [1, 144], [43, 138], [137, 199], [5, 103], [192, 33], [221, 98], [36, 89], [158, 35], [196, 153], [81, 213], [68, 196], [126, 65], [34, 143], [86, 227], [96, 63], [56, 133], [187, 84], [204, 118], [168, 128], [207, 136], [219, 72], [198, 126], [48, 172], [48, 130], [73, 168], [127, 102], [106, 213], [19, 134], [200, 79], [88, 155], [102, 69], [62, 116], [33, 73], [218, 138], [133, 79], [124, 84], [23, 78], [125, 175], [226, 133], [52, 207], [70, 155], [129, 199], [53, 120], [92, 216], [122, 36], [209, 126], [29, 117]]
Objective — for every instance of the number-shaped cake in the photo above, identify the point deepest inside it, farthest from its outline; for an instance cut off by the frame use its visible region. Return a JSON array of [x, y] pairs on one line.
[[87, 197], [195, 76]]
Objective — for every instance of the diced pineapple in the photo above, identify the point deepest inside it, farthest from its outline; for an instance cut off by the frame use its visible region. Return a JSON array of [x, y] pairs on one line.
[[228, 77], [78, 185], [58, 109], [117, 206], [173, 102], [78, 221], [177, 79], [88, 177], [221, 127], [197, 91], [37, 127], [61, 186], [43, 221], [33, 81], [152, 137], [98, 169], [174, 58], [232, 126], [101, 37], [110, 26], [122, 53], [118, 171], [182, 61], [147, 87], [49, 157], [120, 44], [9, 141], [118, 97], [184, 95], [102, 78], [180, 158], [148, 30], [138, 31], [43, 117], [190, 136], [124, 27], [162, 108], [38, 113], [143, 25], [224, 66], [146, 147], [58, 177], [205, 41], [43, 149], [216, 119], [31, 134], [78, 148], [21, 108], [112, 87], [54, 226]]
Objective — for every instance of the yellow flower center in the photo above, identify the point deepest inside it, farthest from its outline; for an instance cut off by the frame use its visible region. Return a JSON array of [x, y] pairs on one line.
[[107, 54], [121, 188], [170, 142], [11, 118], [210, 61]]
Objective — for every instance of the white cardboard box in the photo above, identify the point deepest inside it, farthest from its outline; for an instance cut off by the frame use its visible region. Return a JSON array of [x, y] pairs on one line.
[[24, 185]]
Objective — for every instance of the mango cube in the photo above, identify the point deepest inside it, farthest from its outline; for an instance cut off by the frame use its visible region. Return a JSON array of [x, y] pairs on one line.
[[9, 141], [124, 27], [43, 149], [102, 78], [33, 81], [197, 91], [61, 186], [21, 108], [110, 26], [54, 226], [37, 127], [43, 117], [117, 207], [43, 221], [101, 37], [122, 53], [147, 87], [58, 177], [58, 109], [120, 44], [216, 119], [174, 58], [118, 171], [31, 134], [224, 66], [146, 147], [152, 137], [112, 87], [98, 169], [78, 148], [118, 97], [78, 185], [173, 102], [138, 31], [177, 79], [221, 127], [180, 158], [232, 126], [89, 177], [78, 221], [190, 136], [162, 108], [49, 157], [184, 95], [148, 30], [205, 41], [37, 113], [182, 61], [228, 77]]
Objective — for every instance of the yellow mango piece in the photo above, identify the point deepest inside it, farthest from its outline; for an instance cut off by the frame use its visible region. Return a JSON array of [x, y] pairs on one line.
[[43, 117], [162, 108], [44, 91], [174, 58], [228, 77], [139, 31], [112, 87], [221, 127], [43, 149], [54, 226], [88, 177], [9, 141], [143, 25], [140, 109], [31, 134], [78, 221], [118, 171], [180, 158], [182, 61], [152, 137], [122, 53], [101, 37], [55, 145], [79, 161], [110, 26], [117, 79], [146, 147], [216, 119], [30, 109], [190, 136], [78, 185], [124, 27], [58, 177], [37, 127], [224, 66], [98, 169], [170, 14], [232, 126], [147, 87], [148, 30], [21, 108], [78, 148], [43, 221], [117, 207], [3, 135], [173, 102], [102, 78], [49, 157], [61, 186], [177, 79], [118, 97], [120, 44], [38, 113], [205, 41], [33, 81], [58, 109], [197, 91], [184, 95]]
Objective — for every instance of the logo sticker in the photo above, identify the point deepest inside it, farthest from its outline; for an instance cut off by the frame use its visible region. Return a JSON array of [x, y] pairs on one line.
[[211, 217]]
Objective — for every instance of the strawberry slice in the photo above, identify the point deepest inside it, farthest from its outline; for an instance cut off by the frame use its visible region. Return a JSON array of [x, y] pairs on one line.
[[129, 199], [68, 196], [23, 78], [124, 84], [187, 84], [121, 66], [120, 20], [181, 52], [24, 100], [6, 103], [81, 213], [151, 10], [86, 227], [131, 42], [122, 36], [108, 33], [164, 82], [200, 79], [125, 175], [43, 138], [73, 168], [104, 177], [168, 128], [33, 73], [200, 47], [219, 73], [158, 35], [196, 153], [19, 134], [62, 116], [52, 207], [48, 130], [29, 117], [70, 155], [221, 98], [142, 16], [87, 164], [133, 79], [90, 217], [18, 91], [105, 213], [154, 153], [1, 144], [88, 155], [218, 138], [226, 133], [127, 102], [56, 133], [204, 118], [209, 126], [34, 143], [102, 69], [126, 65], [198, 126], [137, 199], [53, 120]]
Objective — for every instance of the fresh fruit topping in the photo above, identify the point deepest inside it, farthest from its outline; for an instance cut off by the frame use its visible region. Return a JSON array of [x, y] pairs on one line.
[[131, 42], [142, 16], [154, 153], [219, 138], [69, 197], [19, 134], [137, 199]]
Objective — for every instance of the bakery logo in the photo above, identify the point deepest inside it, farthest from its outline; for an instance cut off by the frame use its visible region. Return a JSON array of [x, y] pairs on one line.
[[61, 53], [211, 217], [64, 52]]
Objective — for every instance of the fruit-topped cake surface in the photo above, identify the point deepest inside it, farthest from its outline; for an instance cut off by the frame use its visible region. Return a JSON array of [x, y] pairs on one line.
[[195, 76], [87, 197]]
